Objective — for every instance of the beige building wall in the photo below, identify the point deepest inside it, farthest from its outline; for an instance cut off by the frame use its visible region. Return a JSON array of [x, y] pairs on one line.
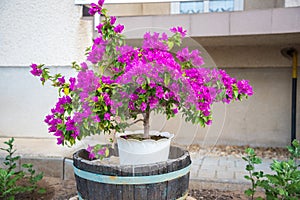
[[136, 9], [265, 4]]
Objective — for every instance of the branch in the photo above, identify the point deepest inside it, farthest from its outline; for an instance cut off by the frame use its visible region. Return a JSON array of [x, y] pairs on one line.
[[136, 121]]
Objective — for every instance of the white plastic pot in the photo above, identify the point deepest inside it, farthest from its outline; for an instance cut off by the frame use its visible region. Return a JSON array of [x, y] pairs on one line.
[[135, 152]]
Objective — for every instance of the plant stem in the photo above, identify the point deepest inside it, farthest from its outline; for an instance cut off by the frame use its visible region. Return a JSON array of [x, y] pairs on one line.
[[147, 124], [136, 121], [252, 182]]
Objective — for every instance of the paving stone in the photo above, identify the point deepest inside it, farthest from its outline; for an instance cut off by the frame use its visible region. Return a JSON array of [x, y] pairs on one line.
[[207, 174], [239, 175], [228, 175], [264, 166], [197, 160], [194, 170], [240, 163], [210, 162], [228, 162]]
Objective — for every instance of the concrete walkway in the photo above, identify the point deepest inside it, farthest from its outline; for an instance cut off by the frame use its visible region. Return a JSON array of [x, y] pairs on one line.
[[222, 172], [207, 171]]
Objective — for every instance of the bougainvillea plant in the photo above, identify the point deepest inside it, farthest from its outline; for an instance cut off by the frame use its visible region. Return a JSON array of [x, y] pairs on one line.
[[120, 85]]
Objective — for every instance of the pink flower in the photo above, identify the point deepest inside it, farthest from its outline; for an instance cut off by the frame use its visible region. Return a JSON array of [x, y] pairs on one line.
[[84, 66], [131, 105], [101, 2], [209, 122], [90, 151], [106, 116], [153, 102], [134, 97], [143, 106], [119, 28], [95, 99], [35, 70], [95, 8], [112, 20], [183, 55], [96, 118], [197, 60], [92, 155], [102, 151], [60, 140], [180, 30], [175, 110], [99, 28], [244, 87], [72, 83], [61, 80]]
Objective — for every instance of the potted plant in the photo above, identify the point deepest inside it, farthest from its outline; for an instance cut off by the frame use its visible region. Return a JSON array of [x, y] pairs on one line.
[[122, 85]]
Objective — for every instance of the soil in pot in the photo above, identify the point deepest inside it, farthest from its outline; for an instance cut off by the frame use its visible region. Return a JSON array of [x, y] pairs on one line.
[[140, 137]]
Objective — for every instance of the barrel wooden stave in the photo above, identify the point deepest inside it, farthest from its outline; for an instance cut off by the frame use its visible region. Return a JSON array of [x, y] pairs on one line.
[[171, 189]]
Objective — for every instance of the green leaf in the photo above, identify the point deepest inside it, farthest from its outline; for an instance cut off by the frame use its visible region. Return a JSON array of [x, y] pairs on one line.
[[170, 44], [235, 91], [27, 165], [167, 79], [282, 192], [250, 151], [249, 167], [249, 192], [38, 177], [273, 179], [106, 152], [256, 160], [42, 191]]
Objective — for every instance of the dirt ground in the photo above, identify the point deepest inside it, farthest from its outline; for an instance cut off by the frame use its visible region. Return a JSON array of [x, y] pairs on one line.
[[58, 189]]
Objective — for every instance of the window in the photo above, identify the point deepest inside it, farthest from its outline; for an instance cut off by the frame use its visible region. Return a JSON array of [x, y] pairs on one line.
[[191, 7], [221, 5], [203, 6]]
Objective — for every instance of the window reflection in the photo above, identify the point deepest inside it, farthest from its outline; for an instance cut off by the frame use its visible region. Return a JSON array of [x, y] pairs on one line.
[[191, 7], [221, 5]]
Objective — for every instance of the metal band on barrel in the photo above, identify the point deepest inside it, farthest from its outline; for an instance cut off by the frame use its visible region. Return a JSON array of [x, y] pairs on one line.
[[131, 180]]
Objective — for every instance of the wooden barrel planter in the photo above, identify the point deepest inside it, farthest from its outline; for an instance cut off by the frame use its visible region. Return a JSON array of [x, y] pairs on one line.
[[163, 180]]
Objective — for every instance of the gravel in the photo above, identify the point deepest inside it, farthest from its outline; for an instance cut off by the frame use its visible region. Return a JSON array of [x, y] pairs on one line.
[[239, 151]]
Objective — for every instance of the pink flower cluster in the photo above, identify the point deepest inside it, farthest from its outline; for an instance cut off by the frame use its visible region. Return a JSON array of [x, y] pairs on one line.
[[57, 122], [87, 87], [96, 8], [35, 71], [184, 56], [98, 50]]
